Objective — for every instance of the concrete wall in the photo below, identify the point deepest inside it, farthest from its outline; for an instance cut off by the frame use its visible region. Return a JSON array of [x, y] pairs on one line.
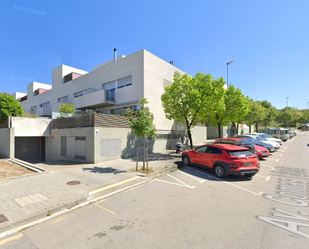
[[7, 148], [31, 127], [53, 144]]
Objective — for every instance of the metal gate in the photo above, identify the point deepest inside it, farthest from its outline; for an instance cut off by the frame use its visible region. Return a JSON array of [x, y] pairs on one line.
[[31, 149]]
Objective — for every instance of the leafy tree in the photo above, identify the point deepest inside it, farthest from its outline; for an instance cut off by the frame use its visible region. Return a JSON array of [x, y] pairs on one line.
[[142, 124], [9, 106], [232, 105], [256, 114], [304, 117], [66, 109], [288, 116], [271, 113], [186, 98]]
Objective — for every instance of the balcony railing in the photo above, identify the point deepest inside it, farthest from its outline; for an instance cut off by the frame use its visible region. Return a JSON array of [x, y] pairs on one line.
[[95, 99]]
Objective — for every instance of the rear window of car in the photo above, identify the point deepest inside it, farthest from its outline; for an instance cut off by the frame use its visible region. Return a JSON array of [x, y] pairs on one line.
[[285, 132], [240, 153]]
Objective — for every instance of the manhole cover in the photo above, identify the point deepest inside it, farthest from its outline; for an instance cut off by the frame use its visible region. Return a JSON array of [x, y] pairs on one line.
[[3, 218], [73, 182]]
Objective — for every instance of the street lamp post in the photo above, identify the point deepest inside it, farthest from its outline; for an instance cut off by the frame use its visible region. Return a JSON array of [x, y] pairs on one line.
[[287, 101], [227, 84]]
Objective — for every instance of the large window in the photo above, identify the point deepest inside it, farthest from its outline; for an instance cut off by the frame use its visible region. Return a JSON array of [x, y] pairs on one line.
[[81, 93], [123, 109], [46, 104], [64, 99]]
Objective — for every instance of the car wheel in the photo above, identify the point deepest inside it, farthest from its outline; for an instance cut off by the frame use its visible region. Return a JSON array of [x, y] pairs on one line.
[[220, 171], [252, 174], [186, 160]]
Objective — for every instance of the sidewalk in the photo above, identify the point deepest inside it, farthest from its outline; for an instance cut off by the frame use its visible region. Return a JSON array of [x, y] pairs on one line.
[[61, 186]]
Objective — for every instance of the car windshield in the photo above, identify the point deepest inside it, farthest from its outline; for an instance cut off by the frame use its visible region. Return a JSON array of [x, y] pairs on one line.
[[246, 141], [265, 136], [260, 138], [241, 153]]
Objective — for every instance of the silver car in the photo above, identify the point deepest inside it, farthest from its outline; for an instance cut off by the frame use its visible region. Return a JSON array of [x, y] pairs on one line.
[[267, 137], [282, 134]]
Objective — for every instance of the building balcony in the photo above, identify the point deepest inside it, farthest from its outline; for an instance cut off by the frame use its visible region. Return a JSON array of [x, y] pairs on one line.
[[44, 111], [96, 99]]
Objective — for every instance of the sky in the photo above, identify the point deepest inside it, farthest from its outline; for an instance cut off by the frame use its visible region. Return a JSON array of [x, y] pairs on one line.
[[267, 40]]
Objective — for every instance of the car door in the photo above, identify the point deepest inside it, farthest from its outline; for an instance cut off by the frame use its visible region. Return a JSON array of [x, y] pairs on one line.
[[198, 155], [212, 155]]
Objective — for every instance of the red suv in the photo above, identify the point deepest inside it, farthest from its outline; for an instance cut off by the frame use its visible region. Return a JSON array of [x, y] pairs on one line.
[[223, 159]]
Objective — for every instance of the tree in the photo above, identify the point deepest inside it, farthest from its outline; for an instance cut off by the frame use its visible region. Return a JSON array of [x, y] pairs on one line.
[[142, 124], [288, 116], [9, 106], [256, 114], [231, 105], [271, 113], [66, 109], [183, 100]]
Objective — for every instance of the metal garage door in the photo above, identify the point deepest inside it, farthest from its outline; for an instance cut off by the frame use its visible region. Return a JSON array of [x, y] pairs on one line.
[[31, 149]]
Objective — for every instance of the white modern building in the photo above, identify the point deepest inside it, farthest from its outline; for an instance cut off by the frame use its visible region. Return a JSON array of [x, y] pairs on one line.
[[109, 89]]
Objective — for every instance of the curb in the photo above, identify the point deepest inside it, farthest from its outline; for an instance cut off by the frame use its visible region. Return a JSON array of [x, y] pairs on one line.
[[41, 215]]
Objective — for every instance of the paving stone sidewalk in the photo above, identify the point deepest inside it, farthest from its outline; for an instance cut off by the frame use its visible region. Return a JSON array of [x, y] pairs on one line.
[[30, 197]]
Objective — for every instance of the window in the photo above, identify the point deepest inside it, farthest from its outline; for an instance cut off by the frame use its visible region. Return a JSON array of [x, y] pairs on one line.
[[46, 104], [213, 150], [33, 110], [124, 82], [201, 149], [64, 99], [81, 93]]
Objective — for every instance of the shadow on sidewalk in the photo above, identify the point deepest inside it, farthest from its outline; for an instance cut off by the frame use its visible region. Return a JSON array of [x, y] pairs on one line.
[[101, 170]]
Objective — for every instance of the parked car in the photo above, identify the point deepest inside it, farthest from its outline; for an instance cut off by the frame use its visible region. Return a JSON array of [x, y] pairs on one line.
[[257, 142], [267, 137], [278, 133], [260, 152], [223, 159], [292, 133], [263, 140]]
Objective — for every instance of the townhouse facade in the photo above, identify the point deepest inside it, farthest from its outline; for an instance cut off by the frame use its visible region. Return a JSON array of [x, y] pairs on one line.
[[110, 88]]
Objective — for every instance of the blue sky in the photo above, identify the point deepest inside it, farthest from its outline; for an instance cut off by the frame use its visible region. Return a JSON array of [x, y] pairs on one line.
[[268, 40]]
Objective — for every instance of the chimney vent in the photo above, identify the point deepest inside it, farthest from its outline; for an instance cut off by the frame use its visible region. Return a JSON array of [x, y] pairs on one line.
[[115, 54]]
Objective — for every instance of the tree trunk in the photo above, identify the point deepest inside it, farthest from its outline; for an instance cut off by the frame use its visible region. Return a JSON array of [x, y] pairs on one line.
[[257, 127], [144, 154], [250, 128], [237, 126], [219, 130], [190, 137]]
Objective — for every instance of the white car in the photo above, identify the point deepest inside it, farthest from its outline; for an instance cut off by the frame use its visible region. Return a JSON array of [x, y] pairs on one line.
[[267, 137], [263, 140]]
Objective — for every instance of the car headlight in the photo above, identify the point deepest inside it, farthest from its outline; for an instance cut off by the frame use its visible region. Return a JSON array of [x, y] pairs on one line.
[[233, 166]]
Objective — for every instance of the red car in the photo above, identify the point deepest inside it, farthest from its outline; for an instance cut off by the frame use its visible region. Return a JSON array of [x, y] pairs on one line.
[[260, 151], [223, 159]]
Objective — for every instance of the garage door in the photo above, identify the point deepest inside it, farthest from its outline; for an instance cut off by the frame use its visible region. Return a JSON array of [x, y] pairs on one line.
[[31, 149]]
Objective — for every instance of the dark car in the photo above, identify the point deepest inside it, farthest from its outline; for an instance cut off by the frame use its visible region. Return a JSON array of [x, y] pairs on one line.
[[257, 142], [223, 159]]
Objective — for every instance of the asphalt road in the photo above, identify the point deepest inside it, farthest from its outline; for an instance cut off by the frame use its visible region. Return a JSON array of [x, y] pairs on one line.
[[192, 208]]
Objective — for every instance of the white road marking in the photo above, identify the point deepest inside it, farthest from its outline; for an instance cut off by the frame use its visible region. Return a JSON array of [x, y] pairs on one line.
[[271, 167], [267, 178], [200, 181], [276, 160], [259, 193], [280, 155], [180, 181], [174, 183], [261, 176]]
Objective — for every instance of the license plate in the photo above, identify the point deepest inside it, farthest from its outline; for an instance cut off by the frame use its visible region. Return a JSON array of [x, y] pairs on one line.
[[247, 164]]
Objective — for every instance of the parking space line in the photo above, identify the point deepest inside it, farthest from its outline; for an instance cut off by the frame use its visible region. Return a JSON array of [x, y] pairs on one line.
[[2, 242], [236, 186], [96, 204], [179, 181], [200, 181], [267, 178], [271, 167], [174, 183], [276, 160], [261, 176]]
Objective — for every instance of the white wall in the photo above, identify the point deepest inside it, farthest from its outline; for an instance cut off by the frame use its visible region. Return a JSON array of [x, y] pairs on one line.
[[31, 127], [7, 142]]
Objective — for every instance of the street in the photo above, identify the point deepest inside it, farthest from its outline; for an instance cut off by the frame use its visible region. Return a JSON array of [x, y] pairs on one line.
[[192, 208]]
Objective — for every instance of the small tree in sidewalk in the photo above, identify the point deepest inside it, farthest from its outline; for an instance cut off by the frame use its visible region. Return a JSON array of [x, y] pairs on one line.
[[142, 123]]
